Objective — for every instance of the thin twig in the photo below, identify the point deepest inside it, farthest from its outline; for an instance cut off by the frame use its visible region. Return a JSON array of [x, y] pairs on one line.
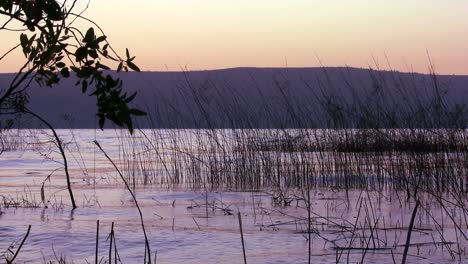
[[20, 246]]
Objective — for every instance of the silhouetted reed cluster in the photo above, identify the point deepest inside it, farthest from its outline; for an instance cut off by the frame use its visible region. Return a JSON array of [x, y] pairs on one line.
[[390, 143], [18, 140], [386, 135]]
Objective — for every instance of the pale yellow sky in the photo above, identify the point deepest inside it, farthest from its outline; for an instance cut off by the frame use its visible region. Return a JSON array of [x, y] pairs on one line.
[[207, 34]]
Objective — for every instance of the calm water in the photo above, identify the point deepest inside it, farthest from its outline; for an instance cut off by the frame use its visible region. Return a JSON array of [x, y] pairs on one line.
[[186, 225]]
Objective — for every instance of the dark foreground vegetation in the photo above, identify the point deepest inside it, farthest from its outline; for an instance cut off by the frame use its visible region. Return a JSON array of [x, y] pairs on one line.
[[387, 146]]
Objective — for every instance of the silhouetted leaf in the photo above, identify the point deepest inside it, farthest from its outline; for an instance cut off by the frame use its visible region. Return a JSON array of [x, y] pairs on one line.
[[131, 97], [93, 54], [30, 26], [81, 53], [101, 122], [25, 44], [137, 112], [24, 40], [119, 68], [133, 66], [101, 39], [64, 38], [102, 66], [65, 72], [89, 37], [84, 85], [59, 58], [47, 54], [31, 39], [53, 11]]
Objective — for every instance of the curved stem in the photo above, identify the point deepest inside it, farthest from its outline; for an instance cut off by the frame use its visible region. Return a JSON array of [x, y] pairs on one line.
[[20, 246], [62, 153], [147, 246]]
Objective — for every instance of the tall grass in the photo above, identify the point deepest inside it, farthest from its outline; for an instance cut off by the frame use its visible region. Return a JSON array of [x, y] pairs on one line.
[[390, 138], [376, 136], [390, 141]]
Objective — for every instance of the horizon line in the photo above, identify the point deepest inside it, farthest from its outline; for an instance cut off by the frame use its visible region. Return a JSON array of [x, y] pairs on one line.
[[282, 68]]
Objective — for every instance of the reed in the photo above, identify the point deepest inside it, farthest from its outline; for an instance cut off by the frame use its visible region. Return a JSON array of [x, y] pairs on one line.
[[374, 152]]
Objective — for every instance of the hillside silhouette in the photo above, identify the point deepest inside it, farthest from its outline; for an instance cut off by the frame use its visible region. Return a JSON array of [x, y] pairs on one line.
[[248, 97]]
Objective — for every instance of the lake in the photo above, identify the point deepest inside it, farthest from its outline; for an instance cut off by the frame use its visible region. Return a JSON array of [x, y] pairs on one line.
[[191, 185]]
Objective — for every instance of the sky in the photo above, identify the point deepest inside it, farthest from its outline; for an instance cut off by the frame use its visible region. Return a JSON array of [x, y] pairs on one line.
[[213, 34]]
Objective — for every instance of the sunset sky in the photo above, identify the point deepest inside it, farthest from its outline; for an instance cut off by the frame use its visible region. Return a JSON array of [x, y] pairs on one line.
[[210, 34]]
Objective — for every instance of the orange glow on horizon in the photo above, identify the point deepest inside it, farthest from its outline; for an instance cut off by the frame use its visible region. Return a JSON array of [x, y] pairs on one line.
[[210, 34]]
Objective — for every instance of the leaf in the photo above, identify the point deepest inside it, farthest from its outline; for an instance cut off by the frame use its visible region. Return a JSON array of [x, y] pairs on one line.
[[131, 97], [89, 37], [137, 112], [84, 86], [30, 26], [33, 53], [93, 54], [57, 48], [81, 53], [60, 64], [25, 44], [53, 11], [24, 40], [130, 127], [101, 122], [65, 72], [90, 62], [119, 68], [64, 38], [52, 79], [133, 66], [127, 53], [102, 66], [31, 39], [101, 39]]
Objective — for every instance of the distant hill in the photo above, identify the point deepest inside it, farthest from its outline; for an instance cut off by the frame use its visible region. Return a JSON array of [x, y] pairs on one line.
[[250, 97]]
